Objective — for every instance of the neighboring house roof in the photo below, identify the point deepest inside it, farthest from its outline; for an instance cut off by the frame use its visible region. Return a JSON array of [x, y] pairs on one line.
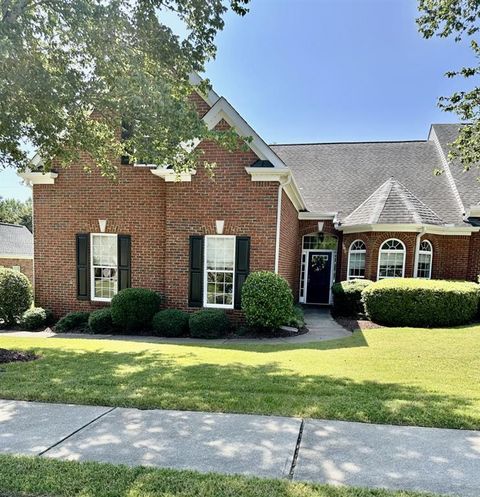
[[392, 203], [15, 240], [340, 177]]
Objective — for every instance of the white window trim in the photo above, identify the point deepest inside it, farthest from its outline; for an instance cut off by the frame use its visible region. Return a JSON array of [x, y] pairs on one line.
[[430, 253], [205, 274], [404, 251], [92, 273], [364, 251]]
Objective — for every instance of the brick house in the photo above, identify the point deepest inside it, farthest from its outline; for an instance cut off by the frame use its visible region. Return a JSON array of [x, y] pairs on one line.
[[314, 213], [16, 249]]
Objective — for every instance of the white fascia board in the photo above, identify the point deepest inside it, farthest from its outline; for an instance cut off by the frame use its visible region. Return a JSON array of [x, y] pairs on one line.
[[224, 110], [170, 176], [473, 211], [211, 97], [268, 173], [316, 216], [16, 256], [412, 228], [38, 178]]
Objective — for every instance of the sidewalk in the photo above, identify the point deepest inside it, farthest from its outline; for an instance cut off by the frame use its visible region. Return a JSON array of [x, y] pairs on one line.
[[335, 452]]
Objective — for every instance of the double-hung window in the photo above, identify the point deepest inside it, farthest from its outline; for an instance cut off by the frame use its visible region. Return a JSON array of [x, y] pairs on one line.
[[104, 266], [219, 271], [424, 265], [356, 260]]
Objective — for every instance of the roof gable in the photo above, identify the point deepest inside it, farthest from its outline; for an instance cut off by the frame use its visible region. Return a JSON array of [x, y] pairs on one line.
[[393, 203]]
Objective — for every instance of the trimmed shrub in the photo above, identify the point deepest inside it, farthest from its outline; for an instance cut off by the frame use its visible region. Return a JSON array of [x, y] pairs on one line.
[[133, 308], [347, 297], [267, 300], [170, 323], [209, 323], [15, 296], [298, 317], [35, 318], [73, 322], [100, 321], [418, 302]]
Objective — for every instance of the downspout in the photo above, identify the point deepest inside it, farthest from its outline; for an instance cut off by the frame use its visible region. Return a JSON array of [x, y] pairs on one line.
[[279, 220], [417, 249]]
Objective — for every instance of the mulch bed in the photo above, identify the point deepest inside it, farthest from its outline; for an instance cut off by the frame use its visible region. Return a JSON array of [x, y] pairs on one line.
[[353, 324], [16, 356]]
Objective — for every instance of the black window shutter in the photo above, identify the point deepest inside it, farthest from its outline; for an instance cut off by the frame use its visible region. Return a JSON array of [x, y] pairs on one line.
[[83, 266], [195, 291], [242, 267], [124, 261]]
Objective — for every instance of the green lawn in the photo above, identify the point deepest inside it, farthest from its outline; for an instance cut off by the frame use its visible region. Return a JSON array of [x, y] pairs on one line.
[[21, 476], [400, 376]]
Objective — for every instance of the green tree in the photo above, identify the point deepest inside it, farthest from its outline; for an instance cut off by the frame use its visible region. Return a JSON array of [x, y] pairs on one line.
[[16, 212], [62, 59], [460, 19]]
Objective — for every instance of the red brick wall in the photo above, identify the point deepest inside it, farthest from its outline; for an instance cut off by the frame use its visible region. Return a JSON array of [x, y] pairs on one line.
[[452, 255], [201, 106], [289, 260], [26, 266], [159, 216]]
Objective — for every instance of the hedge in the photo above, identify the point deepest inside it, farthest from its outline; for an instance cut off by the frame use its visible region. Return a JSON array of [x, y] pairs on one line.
[[100, 321], [347, 297], [170, 323], [419, 302], [15, 296], [36, 318], [133, 309], [73, 322], [209, 323], [267, 300]]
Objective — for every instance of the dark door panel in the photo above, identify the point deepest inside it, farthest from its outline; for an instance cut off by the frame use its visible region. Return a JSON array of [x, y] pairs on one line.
[[319, 277]]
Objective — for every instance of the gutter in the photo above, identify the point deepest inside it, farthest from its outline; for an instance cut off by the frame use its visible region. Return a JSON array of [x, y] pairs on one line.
[[417, 249], [279, 219]]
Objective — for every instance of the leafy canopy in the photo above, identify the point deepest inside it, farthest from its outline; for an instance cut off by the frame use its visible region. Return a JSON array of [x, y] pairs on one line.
[[62, 59], [458, 18], [15, 211]]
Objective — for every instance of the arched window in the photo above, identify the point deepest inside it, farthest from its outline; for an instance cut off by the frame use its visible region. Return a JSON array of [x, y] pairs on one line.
[[356, 260], [424, 264], [391, 259]]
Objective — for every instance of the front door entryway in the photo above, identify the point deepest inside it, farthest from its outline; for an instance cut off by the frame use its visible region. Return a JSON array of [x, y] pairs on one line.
[[319, 274]]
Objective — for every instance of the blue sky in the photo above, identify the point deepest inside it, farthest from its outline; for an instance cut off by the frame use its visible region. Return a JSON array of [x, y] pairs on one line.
[[328, 70]]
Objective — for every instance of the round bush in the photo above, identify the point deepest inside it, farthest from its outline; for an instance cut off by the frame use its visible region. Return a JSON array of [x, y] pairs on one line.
[[34, 318], [170, 323], [347, 297], [267, 300], [133, 308], [15, 295], [417, 302], [209, 323], [74, 321], [100, 321]]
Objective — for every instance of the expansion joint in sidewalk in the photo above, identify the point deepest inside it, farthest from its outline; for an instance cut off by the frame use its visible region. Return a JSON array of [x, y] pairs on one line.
[[297, 450]]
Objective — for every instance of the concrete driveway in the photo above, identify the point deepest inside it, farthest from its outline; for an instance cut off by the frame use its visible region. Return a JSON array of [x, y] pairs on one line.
[[335, 452]]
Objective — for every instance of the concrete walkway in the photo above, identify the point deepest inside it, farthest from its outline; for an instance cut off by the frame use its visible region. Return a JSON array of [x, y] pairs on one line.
[[318, 320], [335, 452]]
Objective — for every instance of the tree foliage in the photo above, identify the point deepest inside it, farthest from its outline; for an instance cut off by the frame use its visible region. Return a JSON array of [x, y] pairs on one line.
[[15, 211], [458, 18], [62, 59]]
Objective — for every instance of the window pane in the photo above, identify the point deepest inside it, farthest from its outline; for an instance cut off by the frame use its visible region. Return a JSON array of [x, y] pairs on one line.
[[104, 249], [220, 257], [357, 265], [424, 264], [319, 241], [391, 265], [104, 258]]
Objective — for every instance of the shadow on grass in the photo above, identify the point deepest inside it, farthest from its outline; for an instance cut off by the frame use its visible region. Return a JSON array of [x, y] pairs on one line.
[[147, 380]]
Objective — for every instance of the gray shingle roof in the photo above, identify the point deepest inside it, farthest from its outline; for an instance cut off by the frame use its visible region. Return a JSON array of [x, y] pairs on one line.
[[467, 182], [15, 240], [392, 203], [339, 177]]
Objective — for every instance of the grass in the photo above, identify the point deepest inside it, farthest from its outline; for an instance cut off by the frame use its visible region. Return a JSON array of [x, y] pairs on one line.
[[42, 477], [393, 376]]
